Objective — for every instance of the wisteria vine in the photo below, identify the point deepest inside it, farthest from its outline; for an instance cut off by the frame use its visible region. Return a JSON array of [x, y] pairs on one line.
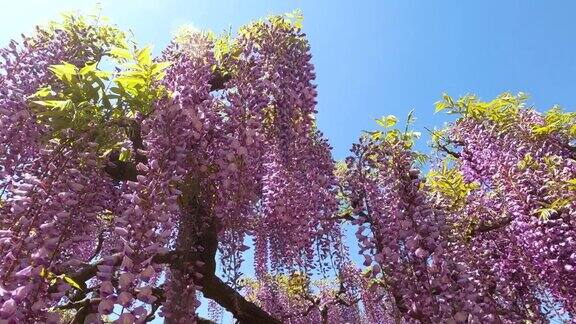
[[123, 192]]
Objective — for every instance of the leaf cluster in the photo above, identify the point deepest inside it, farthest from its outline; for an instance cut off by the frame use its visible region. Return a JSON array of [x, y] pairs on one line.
[[99, 103], [447, 184]]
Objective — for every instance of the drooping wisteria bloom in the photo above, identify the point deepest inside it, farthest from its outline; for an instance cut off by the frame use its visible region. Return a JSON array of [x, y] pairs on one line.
[[122, 196], [405, 239], [136, 194], [53, 192], [525, 164]]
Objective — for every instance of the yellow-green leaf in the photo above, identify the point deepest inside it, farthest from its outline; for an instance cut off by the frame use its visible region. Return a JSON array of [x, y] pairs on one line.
[[121, 53], [42, 92], [124, 154], [159, 67], [387, 121], [376, 135], [390, 120], [71, 282], [64, 71], [60, 104], [106, 152], [129, 81], [87, 69], [439, 106], [144, 56]]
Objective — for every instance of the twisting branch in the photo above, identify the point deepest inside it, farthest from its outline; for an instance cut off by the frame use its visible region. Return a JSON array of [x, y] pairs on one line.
[[155, 307], [448, 151], [98, 246], [83, 307], [484, 227], [443, 147], [211, 286], [120, 170]]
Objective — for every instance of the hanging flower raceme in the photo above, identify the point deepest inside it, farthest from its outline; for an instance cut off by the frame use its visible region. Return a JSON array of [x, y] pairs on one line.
[[525, 166], [119, 191], [292, 163], [56, 220], [404, 237], [54, 196], [154, 218]]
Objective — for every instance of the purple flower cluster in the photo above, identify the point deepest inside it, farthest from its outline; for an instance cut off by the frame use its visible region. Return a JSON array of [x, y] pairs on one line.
[[53, 195], [230, 153], [294, 166], [404, 237], [524, 179]]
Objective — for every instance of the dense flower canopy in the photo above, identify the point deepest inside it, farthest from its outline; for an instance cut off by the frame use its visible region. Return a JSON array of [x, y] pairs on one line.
[[122, 190]]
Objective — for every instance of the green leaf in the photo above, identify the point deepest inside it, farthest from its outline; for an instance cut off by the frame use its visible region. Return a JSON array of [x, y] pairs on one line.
[[106, 152], [448, 99], [117, 90], [560, 203], [295, 17], [64, 71], [129, 81], [411, 118], [387, 121], [121, 53], [160, 67], [60, 104], [124, 154], [102, 74], [88, 69], [526, 162], [572, 131], [545, 213], [571, 184], [42, 92], [71, 282], [144, 56], [443, 104], [392, 135], [439, 106], [376, 135], [51, 113], [390, 120]]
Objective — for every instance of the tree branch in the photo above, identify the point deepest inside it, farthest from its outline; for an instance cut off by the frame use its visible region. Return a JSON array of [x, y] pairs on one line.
[[212, 286], [197, 218], [448, 151], [98, 246], [484, 227], [243, 310], [218, 80], [120, 170]]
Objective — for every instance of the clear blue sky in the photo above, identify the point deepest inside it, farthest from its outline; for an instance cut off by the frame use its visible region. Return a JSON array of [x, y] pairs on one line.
[[375, 58]]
